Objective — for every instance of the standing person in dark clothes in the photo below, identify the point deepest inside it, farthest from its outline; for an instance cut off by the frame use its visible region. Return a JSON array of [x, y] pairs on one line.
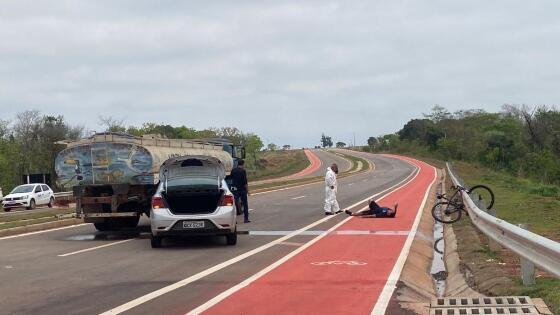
[[239, 178]]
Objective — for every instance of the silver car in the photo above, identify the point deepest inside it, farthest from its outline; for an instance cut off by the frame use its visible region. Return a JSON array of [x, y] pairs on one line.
[[193, 198]]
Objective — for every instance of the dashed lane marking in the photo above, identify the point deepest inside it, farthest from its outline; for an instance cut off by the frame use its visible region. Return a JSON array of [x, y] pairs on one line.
[[96, 247], [385, 296], [177, 285], [43, 231], [282, 260], [296, 198], [340, 232]]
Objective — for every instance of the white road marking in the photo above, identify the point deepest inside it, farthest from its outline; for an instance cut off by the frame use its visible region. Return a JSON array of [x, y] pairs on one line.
[[350, 184], [261, 273], [96, 247], [251, 209], [296, 198], [341, 232], [43, 231], [9, 267], [172, 287], [385, 296], [371, 169], [282, 260]]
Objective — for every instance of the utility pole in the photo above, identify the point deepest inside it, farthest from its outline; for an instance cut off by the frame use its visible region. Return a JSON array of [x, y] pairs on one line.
[[354, 142]]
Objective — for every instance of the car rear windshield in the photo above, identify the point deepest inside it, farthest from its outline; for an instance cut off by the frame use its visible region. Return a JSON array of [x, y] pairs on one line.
[[194, 182], [23, 189]]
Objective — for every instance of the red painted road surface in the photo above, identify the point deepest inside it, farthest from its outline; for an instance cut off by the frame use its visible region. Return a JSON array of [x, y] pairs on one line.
[[299, 286], [315, 164]]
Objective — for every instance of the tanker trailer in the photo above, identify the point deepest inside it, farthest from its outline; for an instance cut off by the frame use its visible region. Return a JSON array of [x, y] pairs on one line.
[[114, 175]]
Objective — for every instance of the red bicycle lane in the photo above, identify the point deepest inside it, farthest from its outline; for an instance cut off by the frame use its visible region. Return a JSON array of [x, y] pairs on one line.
[[345, 271]]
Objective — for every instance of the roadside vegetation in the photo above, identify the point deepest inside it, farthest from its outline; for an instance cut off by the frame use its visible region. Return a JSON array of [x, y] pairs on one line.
[[521, 141], [272, 164], [517, 153], [355, 167], [518, 200], [28, 143]]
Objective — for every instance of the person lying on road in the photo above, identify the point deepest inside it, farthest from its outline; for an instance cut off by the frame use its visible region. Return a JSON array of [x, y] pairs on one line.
[[375, 211]]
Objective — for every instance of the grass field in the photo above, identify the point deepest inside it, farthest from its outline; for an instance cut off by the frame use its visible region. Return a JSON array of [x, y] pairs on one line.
[[273, 164], [518, 200], [23, 218]]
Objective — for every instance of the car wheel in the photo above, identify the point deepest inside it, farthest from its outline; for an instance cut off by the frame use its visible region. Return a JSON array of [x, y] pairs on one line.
[[51, 202], [31, 204], [7, 209], [231, 238], [156, 241]]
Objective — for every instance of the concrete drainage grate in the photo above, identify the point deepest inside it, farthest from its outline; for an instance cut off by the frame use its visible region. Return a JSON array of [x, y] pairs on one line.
[[483, 305]]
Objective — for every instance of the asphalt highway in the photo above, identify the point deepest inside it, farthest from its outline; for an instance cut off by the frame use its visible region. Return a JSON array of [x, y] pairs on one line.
[[78, 270]]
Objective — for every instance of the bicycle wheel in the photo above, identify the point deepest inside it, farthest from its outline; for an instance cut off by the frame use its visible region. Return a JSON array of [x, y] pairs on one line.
[[484, 194], [446, 212]]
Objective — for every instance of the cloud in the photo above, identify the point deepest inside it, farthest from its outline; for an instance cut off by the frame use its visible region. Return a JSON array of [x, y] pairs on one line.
[[287, 70]]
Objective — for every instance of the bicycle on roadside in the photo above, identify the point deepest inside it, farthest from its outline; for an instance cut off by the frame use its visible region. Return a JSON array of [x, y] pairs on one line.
[[451, 208]]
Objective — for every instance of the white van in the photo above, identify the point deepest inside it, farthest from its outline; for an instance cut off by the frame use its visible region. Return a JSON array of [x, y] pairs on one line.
[[193, 198]]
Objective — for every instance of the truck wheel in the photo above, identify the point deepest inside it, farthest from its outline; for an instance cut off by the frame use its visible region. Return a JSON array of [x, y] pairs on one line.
[[231, 238], [131, 222], [31, 204], [103, 226], [51, 202], [156, 241]]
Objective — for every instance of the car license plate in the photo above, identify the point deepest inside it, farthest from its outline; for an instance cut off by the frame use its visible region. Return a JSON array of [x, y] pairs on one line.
[[193, 224]]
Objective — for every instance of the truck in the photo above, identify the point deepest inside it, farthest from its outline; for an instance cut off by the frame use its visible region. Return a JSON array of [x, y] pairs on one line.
[[113, 176]]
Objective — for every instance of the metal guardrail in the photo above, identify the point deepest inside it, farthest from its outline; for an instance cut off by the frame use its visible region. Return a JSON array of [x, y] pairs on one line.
[[63, 194], [539, 250]]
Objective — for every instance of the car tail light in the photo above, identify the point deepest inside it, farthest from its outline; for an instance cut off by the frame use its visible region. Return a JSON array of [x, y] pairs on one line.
[[227, 201], [157, 202]]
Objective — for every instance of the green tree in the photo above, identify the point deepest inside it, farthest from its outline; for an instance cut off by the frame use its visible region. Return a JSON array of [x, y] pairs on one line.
[[112, 124], [340, 144], [253, 144], [372, 143]]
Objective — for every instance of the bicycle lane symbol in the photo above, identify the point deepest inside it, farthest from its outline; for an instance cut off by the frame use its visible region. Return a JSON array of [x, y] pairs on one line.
[[339, 262]]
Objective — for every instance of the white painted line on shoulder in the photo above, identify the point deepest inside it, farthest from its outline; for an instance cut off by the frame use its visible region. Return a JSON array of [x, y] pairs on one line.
[[385, 296], [341, 232], [96, 247], [177, 285], [296, 198], [261, 273], [43, 231]]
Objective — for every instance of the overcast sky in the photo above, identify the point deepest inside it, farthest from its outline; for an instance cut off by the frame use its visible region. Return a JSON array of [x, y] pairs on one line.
[[286, 70]]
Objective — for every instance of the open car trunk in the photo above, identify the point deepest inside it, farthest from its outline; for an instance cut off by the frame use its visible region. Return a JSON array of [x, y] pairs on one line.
[[184, 200], [193, 185]]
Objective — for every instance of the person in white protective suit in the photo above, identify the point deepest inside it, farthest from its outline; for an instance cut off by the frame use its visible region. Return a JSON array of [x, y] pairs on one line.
[[331, 188]]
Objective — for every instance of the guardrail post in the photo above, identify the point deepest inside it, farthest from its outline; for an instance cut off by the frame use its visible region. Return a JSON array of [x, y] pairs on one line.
[[492, 245], [527, 267]]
